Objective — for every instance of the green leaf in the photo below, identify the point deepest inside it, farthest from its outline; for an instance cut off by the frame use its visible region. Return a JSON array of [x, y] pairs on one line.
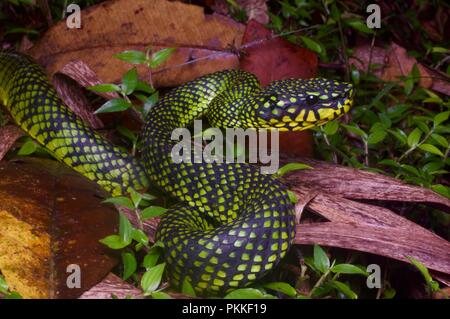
[[21, 30], [359, 25], [29, 147], [423, 127], [3, 285], [441, 189], [425, 273], [440, 117], [399, 135], [149, 103], [321, 260], [355, 130], [131, 56], [187, 289], [150, 259], [312, 44], [152, 211], [160, 295], [148, 197], [348, 269], [335, 13], [144, 87], [135, 198], [385, 120], [282, 287], [331, 127], [356, 75], [129, 265], [127, 133], [113, 242], [248, 293], [414, 137], [125, 229], [139, 236], [292, 197], [104, 88], [160, 56], [440, 139], [389, 162], [345, 289], [376, 136], [389, 293], [152, 278], [13, 295], [114, 105], [440, 50], [120, 200], [431, 149], [129, 81], [291, 167]]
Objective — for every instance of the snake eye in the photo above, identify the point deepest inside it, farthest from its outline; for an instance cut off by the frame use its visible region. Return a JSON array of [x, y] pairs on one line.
[[312, 99]]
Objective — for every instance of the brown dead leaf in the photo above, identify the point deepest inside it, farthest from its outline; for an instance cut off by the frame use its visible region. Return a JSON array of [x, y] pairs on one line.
[[110, 286], [114, 26], [358, 184], [393, 242], [113, 285], [8, 136], [50, 218], [394, 63], [364, 227], [72, 95]]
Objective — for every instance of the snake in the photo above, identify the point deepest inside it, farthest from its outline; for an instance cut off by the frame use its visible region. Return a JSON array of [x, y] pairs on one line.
[[230, 224]]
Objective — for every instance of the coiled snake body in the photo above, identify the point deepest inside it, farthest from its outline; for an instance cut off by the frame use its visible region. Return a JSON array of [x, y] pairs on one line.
[[232, 224]]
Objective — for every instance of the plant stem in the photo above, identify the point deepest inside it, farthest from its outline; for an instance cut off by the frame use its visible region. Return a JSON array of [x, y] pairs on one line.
[[327, 141]]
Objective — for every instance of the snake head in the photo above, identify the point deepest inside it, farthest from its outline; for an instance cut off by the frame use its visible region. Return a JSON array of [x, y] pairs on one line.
[[298, 104]]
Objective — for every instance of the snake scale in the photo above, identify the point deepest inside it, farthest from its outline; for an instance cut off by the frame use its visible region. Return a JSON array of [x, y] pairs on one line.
[[231, 224]]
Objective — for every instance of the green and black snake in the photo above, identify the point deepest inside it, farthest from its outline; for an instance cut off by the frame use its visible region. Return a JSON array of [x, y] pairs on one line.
[[232, 224]]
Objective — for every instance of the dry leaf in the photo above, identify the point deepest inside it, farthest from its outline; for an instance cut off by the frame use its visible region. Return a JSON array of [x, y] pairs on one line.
[[110, 286], [50, 218], [359, 184], [8, 136], [394, 63], [72, 95], [115, 26]]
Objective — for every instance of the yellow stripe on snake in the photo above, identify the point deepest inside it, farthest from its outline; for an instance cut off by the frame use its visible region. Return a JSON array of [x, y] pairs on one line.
[[232, 224]]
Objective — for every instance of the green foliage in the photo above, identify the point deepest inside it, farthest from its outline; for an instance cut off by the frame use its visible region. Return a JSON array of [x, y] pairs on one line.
[[5, 293], [248, 293], [131, 86], [328, 273], [432, 286], [291, 167]]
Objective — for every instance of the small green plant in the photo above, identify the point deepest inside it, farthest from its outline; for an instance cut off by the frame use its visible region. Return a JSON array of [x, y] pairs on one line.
[[131, 240], [131, 85], [329, 273], [432, 286], [5, 293]]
